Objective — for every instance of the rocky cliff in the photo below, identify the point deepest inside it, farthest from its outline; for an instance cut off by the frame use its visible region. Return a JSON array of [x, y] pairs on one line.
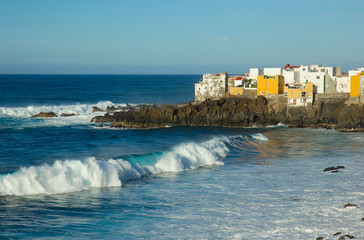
[[242, 112]]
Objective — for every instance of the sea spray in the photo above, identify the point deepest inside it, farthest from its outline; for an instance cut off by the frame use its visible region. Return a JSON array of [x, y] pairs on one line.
[[81, 114], [260, 137], [192, 155], [77, 175], [61, 177]]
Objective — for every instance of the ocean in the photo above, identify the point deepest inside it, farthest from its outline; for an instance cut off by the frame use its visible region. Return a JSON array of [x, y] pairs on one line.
[[67, 178]]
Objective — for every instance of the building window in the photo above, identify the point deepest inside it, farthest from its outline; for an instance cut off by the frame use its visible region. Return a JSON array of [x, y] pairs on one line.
[[285, 94], [303, 69], [267, 84], [292, 93], [303, 94], [318, 77], [261, 93]]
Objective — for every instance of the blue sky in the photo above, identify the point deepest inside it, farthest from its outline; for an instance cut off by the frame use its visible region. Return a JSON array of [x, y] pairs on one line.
[[177, 36]]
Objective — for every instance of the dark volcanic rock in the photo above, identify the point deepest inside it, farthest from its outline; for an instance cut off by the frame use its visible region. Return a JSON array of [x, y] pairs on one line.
[[45, 114], [335, 234], [113, 109], [333, 169], [97, 109], [347, 236], [240, 112], [224, 112], [320, 238], [68, 114], [350, 205]]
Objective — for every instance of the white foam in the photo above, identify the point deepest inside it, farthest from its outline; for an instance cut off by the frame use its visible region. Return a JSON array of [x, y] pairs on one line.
[[77, 175], [192, 155], [61, 177], [278, 125], [83, 113], [260, 137]]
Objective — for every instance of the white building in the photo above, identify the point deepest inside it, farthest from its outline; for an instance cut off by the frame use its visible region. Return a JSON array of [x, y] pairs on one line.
[[355, 72], [342, 84], [238, 82], [211, 86], [254, 72], [272, 71], [321, 76], [290, 76]]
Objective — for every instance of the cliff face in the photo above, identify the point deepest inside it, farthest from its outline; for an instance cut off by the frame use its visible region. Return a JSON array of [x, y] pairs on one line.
[[242, 112]]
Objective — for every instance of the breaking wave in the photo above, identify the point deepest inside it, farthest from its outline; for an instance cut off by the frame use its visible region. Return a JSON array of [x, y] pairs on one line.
[[260, 137], [77, 175], [82, 114]]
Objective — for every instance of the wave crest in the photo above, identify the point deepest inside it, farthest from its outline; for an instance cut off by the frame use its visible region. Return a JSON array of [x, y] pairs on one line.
[[77, 175], [82, 114]]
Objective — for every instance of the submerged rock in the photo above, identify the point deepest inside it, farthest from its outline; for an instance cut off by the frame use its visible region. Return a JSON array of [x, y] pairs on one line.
[[333, 169], [45, 114], [320, 238], [350, 205], [347, 236]]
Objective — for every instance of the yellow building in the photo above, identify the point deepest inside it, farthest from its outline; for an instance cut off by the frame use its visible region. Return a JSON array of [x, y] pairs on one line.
[[355, 85], [299, 95], [270, 85], [235, 91]]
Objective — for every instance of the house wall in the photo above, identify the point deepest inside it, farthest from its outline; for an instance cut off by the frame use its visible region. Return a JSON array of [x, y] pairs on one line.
[[317, 78], [272, 71], [211, 86], [343, 84], [355, 84], [235, 91], [295, 97], [254, 73], [266, 86], [355, 72], [238, 83]]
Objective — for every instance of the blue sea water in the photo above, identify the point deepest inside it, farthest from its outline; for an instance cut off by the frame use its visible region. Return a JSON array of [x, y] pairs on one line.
[[66, 178]]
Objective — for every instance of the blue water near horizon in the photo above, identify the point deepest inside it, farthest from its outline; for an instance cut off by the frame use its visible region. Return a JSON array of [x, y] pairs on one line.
[[65, 177]]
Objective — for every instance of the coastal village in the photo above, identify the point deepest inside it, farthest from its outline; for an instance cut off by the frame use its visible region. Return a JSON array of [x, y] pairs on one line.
[[298, 84]]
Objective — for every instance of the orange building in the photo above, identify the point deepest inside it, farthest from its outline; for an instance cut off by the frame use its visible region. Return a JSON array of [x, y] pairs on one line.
[[270, 85], [299, 95], [355, 84]]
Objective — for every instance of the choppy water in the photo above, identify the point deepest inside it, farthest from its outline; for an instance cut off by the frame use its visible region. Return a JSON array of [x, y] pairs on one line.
[[65, 178]]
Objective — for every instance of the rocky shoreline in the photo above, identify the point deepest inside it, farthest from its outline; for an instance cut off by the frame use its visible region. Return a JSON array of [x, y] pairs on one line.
[[333, 113]]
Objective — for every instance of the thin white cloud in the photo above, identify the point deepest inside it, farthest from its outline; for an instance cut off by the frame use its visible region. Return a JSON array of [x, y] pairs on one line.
[[221, 39]]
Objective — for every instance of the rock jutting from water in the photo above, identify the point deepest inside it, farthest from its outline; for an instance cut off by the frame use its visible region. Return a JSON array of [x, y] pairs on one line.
[[242, 112], [44, 114]]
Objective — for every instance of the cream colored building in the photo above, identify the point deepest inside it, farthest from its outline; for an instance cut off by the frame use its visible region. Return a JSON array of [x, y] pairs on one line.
[[211, 86]]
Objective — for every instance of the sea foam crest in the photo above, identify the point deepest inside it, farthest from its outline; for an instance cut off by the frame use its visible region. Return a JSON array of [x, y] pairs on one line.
[[82, 113], [77, 175], [260, 137], [61, 177]]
